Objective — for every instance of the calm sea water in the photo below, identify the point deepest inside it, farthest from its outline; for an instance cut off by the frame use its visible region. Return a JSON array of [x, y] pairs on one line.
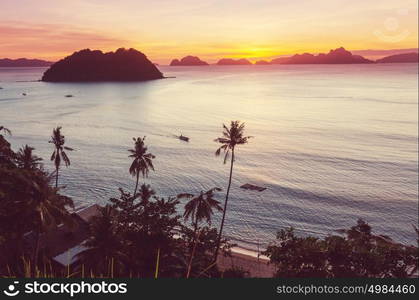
[[332, 143]]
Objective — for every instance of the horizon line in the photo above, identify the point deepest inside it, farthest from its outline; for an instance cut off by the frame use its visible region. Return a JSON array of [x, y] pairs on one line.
[[367, 53]]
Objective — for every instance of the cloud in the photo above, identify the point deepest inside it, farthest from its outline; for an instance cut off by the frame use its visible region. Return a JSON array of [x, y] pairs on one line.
[[52, 40]]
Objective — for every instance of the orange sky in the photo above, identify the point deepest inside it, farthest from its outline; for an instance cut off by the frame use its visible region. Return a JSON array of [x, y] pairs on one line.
[[210, 29]]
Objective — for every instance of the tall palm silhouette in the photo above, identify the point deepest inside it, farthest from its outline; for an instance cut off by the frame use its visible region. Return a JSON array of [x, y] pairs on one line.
[[59, 154], [231, 138], [142, 162], [5, 130], [198, 209], [26, 159]]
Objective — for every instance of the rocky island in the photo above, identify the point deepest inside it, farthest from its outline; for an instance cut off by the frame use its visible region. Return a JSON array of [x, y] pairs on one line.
[[400, 58], [95, 66], [337, 56], [262, 63], [229, 61], [189, 61]]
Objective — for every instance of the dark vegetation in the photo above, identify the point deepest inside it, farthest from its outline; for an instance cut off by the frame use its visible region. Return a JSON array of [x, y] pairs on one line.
[[141, 234], [355, 253]]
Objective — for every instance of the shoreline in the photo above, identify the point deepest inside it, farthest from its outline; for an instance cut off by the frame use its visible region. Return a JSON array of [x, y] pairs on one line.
[[248, 261], [239, 250], [241, 258]]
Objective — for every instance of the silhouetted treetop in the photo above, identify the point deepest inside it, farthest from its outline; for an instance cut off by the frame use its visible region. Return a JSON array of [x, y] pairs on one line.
[[94, 65]]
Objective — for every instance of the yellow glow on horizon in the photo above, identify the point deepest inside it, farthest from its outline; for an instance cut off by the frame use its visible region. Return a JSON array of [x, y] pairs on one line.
[[209, 29]]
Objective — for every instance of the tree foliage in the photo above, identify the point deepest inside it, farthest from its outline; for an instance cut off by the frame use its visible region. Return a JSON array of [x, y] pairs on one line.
[[358, 253]]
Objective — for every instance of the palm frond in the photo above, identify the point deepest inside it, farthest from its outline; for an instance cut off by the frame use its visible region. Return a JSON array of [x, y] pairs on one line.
[[65, 158], [142, 161]]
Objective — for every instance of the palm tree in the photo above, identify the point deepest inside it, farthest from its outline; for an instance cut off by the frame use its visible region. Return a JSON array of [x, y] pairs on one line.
[[145, 192], [26, 160], [50, 209], [104, 245], [199, 208], [232, 137], [59, 154], [142, 162], [5, 130]]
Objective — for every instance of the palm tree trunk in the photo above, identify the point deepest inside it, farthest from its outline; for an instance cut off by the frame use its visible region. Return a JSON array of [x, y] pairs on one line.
[[156, 273], [36, 250], [194, 243], [136, 185], [56, 177], [225, 208]]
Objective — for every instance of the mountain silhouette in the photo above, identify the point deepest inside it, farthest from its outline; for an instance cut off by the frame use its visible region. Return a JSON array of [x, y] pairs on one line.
[[400, 58], [94, 65], [337, 56], [229, 61], [262, 62], [24, 62], [188, 61]]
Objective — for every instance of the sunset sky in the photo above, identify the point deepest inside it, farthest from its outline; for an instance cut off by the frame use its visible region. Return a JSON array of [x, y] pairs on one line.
[[210, 29]]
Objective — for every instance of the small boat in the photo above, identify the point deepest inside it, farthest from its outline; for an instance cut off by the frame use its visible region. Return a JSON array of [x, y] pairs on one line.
[[183, 138], [253, 187], [68, 96]]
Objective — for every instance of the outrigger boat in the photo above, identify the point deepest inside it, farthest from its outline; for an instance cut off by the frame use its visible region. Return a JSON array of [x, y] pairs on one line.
[[183, 138]]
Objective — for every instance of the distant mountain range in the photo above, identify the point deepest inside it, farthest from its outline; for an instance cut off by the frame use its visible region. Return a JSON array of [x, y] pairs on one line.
[[336, 56], [400, 58], [229, 61], [24, 62]]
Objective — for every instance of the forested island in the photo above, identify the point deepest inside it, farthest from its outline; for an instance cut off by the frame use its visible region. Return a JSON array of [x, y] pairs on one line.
[[95, 66]]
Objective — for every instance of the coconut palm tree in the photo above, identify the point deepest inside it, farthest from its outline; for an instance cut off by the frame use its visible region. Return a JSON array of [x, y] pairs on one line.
[[231, 138], [26, 159], [198, 209], [142, 162], [50, 209], [5, 130], [59, 154], [145, 193], [104, 245]]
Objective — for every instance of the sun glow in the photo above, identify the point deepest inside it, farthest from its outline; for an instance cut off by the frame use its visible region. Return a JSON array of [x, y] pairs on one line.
[[252, 29]]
